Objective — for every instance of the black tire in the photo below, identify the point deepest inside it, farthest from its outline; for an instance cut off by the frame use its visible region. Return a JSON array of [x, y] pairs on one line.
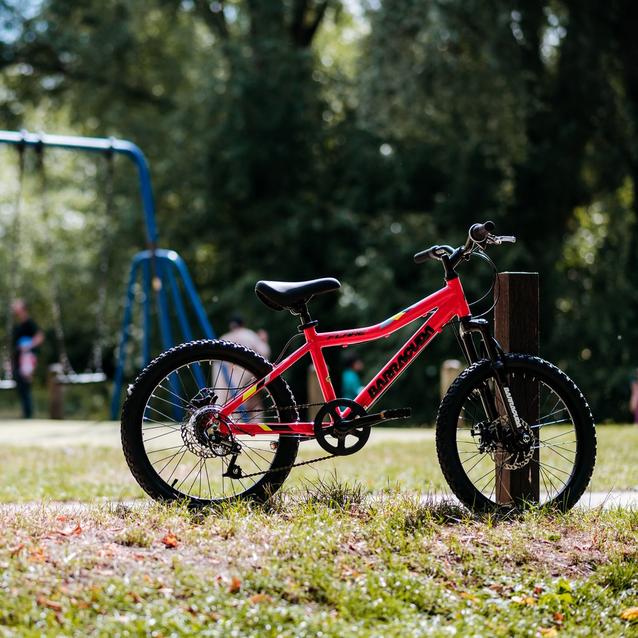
[[463, 396], [165, 367]]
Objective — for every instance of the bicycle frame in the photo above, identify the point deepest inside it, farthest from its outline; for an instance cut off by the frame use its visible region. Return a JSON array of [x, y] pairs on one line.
[[437, 310]]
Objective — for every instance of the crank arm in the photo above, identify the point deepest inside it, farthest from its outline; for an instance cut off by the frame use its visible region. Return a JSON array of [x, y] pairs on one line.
[[372, 419]]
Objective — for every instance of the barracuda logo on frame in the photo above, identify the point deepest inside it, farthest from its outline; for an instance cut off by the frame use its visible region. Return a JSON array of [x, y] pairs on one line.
[[401, 360]]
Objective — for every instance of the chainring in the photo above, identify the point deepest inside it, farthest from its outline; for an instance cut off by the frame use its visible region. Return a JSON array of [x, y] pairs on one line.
[[339, 431]]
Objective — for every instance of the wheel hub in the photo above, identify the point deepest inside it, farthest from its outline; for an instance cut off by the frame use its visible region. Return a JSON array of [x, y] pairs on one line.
[[511, 448], [207, 434]]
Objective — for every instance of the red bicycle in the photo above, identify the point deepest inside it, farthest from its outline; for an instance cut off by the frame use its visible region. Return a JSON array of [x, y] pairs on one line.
[[211, 421]]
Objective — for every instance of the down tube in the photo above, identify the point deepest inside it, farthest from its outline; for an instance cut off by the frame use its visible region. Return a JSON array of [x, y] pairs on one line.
[[397, 365]]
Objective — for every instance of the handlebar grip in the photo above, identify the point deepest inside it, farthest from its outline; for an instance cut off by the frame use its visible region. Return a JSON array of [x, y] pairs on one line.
[[480, 232], [433, 252], [422, 256]]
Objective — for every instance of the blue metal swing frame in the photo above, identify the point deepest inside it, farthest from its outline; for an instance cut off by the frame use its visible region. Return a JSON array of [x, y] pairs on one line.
[[159, 269]]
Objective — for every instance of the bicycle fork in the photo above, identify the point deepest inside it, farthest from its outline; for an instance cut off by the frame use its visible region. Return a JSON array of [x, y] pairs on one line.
[[467, 327]]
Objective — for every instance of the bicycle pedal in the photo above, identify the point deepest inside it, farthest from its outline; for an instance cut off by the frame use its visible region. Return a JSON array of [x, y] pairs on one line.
[[397, 413]]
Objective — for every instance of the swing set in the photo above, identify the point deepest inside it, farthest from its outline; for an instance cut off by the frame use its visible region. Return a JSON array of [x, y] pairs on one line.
[[160, 274]]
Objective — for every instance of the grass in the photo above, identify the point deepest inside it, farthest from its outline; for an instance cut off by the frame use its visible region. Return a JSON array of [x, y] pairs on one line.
[[348, 550], [68, 472], [324, 561]]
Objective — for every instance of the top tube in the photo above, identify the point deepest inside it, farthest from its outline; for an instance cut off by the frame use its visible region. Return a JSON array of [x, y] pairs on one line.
[[449, 302]]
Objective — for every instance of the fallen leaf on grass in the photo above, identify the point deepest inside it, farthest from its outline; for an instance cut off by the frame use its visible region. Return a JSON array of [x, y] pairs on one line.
[[170, 540], [37, 555], [558, 617], [235, 585], [524, 600], [468, 596], [80, 604], [69, 531], [50, 604], [14, 551], [195, 611], [631, 613], [75, 531], [260, 598]]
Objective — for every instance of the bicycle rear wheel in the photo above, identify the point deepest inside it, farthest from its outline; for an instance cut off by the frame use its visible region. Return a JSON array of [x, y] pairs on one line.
[[166, 417], [485, 466]]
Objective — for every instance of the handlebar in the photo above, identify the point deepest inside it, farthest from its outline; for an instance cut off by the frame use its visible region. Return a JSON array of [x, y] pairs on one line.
[[478, 237], [480, 232], [433, 252]]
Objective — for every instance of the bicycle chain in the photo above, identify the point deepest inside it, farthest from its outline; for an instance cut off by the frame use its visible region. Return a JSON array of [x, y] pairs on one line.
[[289, 467], [293, 465]]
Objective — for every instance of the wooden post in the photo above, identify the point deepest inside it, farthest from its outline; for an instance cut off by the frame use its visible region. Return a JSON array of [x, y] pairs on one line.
[[56, 392], [516, 319], [450, 369], [314, 392]]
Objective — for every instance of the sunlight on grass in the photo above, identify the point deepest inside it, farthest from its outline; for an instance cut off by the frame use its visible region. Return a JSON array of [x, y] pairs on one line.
[[324, 561], [394, 459]]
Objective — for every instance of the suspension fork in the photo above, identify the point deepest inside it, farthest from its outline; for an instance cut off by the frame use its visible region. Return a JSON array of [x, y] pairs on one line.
[[466, 328]]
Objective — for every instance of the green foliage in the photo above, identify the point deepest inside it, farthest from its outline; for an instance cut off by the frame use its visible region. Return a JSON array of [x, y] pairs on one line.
[[306, 138]]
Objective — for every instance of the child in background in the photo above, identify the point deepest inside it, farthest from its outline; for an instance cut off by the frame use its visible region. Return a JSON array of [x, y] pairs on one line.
[[350, 380], [26, 339]]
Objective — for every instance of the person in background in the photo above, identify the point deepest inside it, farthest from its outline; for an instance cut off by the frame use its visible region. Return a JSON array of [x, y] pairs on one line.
[[633, 401], [238, 333], [350, 380], [234, 379], [25, 339]]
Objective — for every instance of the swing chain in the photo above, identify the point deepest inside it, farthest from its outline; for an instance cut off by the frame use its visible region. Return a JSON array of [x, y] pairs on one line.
[[13, 272], [105, 232], [54, 286]]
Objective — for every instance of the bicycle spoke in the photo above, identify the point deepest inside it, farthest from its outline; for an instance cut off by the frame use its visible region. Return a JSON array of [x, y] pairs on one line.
[[554, 445], [186, 465]]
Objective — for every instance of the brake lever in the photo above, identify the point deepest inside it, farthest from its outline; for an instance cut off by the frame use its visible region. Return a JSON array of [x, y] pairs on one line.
[[501, 239]]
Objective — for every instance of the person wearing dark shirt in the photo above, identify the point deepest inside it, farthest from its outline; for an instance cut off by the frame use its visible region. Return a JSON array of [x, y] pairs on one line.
[[25, 340]]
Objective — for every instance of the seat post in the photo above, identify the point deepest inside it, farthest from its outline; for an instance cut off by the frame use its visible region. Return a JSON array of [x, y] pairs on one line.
[[306, 321]]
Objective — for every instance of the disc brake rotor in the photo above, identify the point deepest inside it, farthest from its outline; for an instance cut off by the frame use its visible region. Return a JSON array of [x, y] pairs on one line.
[[517, 451]]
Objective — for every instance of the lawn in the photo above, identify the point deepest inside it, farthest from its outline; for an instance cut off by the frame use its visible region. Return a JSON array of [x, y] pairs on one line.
[[57, 469], [326, 559], [325, 562]]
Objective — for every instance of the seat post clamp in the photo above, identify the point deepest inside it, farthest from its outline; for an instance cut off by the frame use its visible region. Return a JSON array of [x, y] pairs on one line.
[[307, 324]]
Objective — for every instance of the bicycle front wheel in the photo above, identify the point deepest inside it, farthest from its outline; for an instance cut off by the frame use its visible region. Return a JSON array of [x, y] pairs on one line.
[[165, 422], [549, 461]]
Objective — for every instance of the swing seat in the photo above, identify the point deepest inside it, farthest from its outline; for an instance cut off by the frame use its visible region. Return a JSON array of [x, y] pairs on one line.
[[80, 378], [7, 384]]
